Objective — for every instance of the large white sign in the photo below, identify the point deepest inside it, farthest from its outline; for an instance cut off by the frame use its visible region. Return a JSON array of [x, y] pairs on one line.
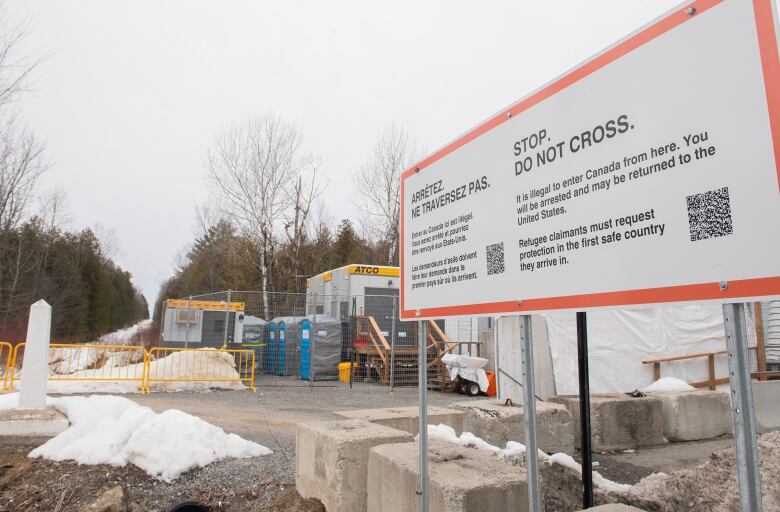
[[647, 175]]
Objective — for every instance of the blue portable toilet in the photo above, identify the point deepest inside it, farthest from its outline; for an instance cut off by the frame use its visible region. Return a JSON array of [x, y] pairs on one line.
[[270, 353], [304, 371], [287, 344], [320, 348], [281, 349]]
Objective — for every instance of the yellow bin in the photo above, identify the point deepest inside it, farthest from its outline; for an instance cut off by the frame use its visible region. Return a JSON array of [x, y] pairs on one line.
[[344, 372]]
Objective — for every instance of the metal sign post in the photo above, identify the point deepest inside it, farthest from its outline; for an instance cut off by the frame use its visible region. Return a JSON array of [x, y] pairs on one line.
[[422, 385], [529, 413], [392, 349], [584, 377], [742, 408], [227, 319], [311, 351], [189, 321]]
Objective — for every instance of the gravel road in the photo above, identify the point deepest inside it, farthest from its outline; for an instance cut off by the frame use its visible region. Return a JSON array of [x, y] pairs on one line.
[[258, 484]]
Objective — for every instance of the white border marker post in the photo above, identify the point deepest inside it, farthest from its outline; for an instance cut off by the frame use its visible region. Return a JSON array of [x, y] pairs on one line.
[[35, 369]]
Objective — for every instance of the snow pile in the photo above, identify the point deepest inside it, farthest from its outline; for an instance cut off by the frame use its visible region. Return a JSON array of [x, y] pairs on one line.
[[116, 431], [568, 461], [204, 364], [667, 384], [515, 449], [67, 360], [70, 360], [119, 358], [124, 336], [447, 433]]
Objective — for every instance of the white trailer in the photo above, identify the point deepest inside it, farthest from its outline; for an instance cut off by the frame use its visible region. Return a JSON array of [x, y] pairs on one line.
[[202, 323], [353, 290], [373, 290]]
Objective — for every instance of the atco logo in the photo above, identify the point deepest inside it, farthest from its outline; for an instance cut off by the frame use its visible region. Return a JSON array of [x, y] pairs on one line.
[[365, 270]]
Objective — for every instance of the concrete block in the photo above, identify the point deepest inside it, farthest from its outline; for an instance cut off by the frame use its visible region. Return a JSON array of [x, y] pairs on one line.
[[497, 423], [460, 480], [47, 422], [618, 421], [613, 507], [766, 404], [331, 460], [407, 418], [695, 415]]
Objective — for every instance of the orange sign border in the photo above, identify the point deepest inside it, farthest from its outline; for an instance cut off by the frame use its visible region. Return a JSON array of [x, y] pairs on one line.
[[746, 288]]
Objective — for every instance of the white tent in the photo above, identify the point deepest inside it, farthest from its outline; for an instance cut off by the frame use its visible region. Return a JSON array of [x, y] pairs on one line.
[[619, 340]]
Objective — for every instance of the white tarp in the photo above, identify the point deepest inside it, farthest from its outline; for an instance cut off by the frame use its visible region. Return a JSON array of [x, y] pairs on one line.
[[619, 340], [469, 368]]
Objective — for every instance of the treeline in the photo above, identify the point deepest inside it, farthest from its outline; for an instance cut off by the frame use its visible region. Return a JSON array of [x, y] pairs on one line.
[[223, 259], [90, 296]]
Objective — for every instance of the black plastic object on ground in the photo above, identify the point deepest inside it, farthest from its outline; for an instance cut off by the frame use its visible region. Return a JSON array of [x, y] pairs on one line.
[[189, 506]]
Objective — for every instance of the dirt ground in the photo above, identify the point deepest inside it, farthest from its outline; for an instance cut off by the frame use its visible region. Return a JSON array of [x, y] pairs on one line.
[[263, 484], [267, 483], [630, 467]]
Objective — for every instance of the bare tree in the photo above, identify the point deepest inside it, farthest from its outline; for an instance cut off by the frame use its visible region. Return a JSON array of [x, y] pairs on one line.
[[109, 242], [320, 219], [251, 167], [21, 165], [301, 196], [21, 155], [378, 185], [54, 209], [15, 70]]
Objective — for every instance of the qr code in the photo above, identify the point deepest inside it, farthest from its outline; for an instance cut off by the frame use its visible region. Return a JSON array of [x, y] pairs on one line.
[[495, 258], [709, 214]]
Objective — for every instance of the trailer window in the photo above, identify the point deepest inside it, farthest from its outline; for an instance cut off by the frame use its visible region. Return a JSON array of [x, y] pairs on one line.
[[187, 316]]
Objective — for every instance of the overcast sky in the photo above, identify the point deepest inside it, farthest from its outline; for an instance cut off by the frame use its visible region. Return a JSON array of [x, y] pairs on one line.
[[132, 92]]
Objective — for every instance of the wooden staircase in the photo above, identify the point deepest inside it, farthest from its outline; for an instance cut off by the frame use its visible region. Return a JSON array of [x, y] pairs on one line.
[[372, 343], [438, 346]]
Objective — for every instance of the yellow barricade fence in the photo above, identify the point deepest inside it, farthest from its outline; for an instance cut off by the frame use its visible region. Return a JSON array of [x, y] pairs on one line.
[[6, 364], [119, 365], [183, 365]]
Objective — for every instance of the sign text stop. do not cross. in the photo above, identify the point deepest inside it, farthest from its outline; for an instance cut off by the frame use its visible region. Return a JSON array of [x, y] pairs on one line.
[[647, 175]]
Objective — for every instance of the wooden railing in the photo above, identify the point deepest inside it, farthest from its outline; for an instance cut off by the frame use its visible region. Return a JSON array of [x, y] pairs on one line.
[[366, 328], [712, 379]]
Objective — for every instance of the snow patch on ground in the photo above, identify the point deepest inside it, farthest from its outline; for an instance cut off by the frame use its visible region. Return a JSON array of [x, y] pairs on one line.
[[116, 431], [124, 336], [667, 384], [568, 461], [513, 449], [447, 433]]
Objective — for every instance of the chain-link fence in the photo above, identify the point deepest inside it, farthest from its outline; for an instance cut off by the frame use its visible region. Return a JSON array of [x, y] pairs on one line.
[[308, 339], [311, 339]]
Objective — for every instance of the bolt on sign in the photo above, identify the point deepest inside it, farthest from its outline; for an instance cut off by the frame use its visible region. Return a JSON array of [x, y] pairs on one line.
[[649, 174]]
